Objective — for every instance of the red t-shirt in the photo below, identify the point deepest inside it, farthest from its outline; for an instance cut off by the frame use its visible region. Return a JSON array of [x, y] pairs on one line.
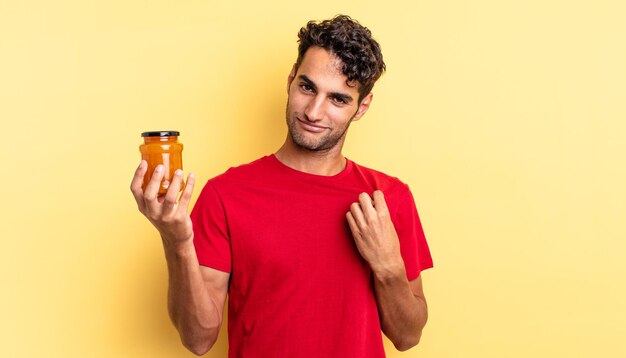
[[299, 287]]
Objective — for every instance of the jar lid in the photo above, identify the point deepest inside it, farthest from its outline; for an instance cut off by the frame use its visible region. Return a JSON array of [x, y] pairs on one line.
[[161, 134]]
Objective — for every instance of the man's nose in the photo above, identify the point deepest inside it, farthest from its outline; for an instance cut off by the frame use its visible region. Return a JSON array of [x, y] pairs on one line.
[[314, 110]]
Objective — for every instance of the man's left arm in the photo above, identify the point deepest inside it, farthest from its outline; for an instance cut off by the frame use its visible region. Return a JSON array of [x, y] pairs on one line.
[[401, 304]]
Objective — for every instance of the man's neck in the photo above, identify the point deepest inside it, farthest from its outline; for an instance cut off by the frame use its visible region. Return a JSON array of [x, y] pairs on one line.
[[326, 163]]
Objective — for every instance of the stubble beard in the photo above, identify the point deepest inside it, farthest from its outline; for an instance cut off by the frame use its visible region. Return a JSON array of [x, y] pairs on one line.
[[325, 143]]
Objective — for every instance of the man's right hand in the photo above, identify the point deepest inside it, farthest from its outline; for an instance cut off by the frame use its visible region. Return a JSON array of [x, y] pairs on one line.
[[196, 293], [166, 212]]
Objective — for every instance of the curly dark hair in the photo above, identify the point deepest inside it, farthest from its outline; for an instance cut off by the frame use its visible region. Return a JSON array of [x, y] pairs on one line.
[[349, 41]]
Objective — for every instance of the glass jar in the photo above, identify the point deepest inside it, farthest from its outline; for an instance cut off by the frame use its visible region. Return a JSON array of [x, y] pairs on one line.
[[162, 147]]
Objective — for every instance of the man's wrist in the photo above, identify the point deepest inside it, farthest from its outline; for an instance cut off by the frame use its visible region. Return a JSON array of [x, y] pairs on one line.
[[178, 248], [389, 271]]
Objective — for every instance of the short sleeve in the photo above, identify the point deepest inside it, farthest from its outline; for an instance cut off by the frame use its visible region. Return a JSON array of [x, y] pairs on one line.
[[413, 245], [210, 229]]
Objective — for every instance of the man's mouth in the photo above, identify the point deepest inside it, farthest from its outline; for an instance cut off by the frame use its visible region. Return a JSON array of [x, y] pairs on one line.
[[310, 127]]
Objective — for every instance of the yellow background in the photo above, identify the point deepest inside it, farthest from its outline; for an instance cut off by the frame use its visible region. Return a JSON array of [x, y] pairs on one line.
[[506, 118]]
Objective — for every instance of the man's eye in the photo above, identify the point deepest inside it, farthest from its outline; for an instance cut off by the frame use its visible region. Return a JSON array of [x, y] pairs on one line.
[[339, 100], [306, 88]]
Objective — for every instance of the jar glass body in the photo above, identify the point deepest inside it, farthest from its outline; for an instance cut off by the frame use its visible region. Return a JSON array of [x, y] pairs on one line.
[[161, 149]]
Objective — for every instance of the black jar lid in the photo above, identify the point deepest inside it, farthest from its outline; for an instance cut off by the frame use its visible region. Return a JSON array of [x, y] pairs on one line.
[[161, 134]]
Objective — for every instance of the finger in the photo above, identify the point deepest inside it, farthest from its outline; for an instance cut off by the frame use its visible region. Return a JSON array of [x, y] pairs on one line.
[[137, 183], [379, 201], [367, 205], [352, 223], [152, 189], [357, 214], [186, 195], [171, 196]]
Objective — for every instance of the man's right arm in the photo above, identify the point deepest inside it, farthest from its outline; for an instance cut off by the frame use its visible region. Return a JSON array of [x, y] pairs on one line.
[[196, 294]]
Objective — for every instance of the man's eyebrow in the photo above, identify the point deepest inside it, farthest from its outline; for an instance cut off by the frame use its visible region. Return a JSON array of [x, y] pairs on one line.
[[307, 80]]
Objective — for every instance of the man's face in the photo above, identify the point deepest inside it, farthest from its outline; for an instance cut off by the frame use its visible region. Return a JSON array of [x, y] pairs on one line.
[[321, 104]]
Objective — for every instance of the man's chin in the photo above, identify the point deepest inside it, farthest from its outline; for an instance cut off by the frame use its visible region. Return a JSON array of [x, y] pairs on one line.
[[309, 147], [301, 142], [316, 144]]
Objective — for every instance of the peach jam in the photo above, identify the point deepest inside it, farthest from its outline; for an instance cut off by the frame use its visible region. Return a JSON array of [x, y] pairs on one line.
[[162, 147]]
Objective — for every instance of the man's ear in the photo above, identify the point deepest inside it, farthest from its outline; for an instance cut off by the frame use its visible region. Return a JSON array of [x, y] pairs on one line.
[[363, 106], [292, 75]]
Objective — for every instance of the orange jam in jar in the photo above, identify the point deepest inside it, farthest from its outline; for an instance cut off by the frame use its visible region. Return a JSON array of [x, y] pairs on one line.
[[162, 147]]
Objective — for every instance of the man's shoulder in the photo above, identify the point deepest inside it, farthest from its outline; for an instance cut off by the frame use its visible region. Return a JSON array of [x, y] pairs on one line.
[[244, 171], [378, 179]]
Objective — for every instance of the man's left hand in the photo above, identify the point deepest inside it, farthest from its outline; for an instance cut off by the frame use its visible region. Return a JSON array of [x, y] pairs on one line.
[[374, 233]]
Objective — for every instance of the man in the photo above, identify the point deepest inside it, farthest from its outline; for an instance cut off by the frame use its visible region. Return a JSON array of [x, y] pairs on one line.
[[316, 253]]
